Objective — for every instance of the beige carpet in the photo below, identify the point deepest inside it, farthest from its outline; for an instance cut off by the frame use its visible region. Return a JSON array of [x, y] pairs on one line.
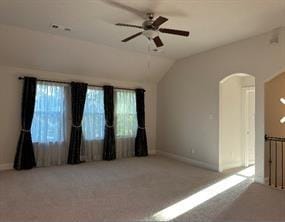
[[123, 190], [257, 203]]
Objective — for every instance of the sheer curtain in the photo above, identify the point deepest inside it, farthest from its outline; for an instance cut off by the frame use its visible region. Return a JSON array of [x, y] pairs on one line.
[[50, 124], [52, 121], [125, 122], [93, 124]]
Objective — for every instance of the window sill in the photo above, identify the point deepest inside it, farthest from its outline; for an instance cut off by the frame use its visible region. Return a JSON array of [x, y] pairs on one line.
[[125, 137], [93, 140], [47, 143]]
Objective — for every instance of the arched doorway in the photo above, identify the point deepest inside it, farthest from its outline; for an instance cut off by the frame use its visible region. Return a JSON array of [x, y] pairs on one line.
[[236, 121]]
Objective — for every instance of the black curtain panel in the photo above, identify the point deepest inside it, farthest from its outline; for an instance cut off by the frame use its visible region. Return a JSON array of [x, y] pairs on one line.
[[109, 150], [141, 140], [78, 96], [25, 158]]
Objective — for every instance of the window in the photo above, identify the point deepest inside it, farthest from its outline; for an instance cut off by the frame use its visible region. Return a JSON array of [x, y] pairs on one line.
[[49, 122], [49, 116], [125, 113], [94, 118]]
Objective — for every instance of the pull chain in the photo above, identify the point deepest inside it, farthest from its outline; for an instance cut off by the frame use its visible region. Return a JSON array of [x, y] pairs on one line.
[[148, 57]]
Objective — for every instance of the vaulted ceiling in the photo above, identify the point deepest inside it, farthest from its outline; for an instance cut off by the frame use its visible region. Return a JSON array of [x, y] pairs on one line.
[[94, 44]]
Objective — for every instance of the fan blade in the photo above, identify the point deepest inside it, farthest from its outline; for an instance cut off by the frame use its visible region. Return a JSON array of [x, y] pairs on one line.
[[128, 25], [157, 41], [131, 37], [174, 32], [125, 7], [159, 21]]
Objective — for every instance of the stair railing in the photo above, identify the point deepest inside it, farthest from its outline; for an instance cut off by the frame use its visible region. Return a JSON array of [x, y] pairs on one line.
[[276, 145]]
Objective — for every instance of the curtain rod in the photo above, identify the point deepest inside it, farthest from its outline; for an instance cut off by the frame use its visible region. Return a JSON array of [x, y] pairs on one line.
[[64, 82]]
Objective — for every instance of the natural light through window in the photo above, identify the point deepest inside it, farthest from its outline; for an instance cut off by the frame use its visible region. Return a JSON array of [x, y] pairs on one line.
[[202, 196], [49, 116], [282, 120], [93, 122], [125, 113], [282, 100], [248, 172]]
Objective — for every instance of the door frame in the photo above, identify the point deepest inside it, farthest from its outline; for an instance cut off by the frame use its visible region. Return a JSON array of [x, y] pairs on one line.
[[245, 117]]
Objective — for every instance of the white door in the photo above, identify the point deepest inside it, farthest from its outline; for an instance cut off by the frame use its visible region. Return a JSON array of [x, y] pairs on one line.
[[249, 126]]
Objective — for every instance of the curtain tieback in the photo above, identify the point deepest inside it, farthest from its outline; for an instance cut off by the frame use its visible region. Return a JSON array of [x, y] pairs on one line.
[[109, 126], [141, 127], [25, 130], [75, 126]]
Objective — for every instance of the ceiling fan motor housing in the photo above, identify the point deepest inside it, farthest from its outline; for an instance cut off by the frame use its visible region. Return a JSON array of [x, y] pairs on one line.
[[148, 25], [150, 31]]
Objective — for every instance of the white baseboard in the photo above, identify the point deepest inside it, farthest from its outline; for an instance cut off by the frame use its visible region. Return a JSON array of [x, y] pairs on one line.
[[261, 180], [10, 166], [6, 166], [232, 165], [197, 163]]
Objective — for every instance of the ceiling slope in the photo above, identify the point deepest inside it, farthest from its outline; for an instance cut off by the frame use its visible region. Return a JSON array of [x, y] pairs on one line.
[[94, 47], [37, 50], [211, 23]]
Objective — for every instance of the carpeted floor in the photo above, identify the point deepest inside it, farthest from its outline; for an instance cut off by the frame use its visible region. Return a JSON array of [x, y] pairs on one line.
[[131, 189], [257, 203]]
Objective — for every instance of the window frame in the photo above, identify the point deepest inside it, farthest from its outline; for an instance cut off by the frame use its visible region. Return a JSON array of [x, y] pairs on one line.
[[60, 114], [102, 114], [116, 114]]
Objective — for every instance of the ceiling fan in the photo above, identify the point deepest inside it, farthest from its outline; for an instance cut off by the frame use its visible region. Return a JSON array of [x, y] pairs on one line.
[[151, 29]]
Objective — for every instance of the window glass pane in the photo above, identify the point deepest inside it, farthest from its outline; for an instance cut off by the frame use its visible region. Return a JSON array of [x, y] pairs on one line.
[[93, 118], [49, 115], [125, 113]]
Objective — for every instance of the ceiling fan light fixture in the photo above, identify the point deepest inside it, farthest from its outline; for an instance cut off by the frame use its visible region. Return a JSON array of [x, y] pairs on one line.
[[150, 34]]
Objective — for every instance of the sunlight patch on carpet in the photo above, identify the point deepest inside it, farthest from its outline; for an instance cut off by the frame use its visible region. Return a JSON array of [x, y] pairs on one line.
[[202, 196]]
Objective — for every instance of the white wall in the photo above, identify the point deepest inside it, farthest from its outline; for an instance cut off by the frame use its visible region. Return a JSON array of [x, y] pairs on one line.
[[231, 124], [10, 100], [188, 97]]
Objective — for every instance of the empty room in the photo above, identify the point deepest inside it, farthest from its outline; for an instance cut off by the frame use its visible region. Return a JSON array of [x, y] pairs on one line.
[[142, 110]]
